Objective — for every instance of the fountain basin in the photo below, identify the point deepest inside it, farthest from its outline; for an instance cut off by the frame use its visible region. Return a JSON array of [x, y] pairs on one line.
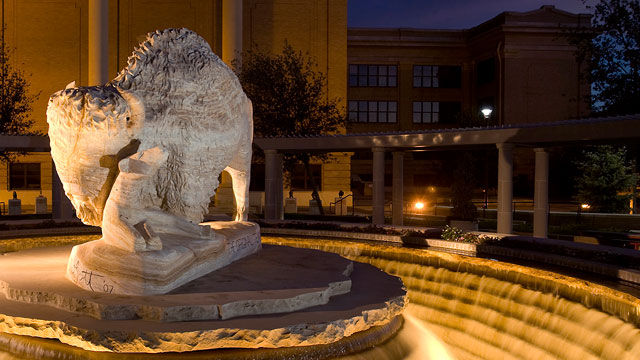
[[282, 297]]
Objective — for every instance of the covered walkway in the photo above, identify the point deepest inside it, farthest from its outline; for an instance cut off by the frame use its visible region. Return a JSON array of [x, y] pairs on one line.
[[539, 137]]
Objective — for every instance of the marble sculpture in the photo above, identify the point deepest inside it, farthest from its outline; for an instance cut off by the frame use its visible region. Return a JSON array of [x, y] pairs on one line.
[[140, 156]]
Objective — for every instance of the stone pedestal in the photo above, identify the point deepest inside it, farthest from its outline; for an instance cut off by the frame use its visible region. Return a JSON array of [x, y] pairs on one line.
[[281, 297], [41, 205], [15, 207], [291, 206], [313, 207], [98, 266], [341, 206]]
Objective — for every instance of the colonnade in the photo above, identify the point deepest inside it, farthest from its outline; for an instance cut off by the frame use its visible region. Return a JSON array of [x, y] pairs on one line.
[[274, 190]]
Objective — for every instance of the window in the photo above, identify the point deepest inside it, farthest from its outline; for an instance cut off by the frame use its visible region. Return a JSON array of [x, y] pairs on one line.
[[24, 176], [432, 76], [426, 112], [300, 179], [485, 71], [373, 75], [373, 111], [425, 76]]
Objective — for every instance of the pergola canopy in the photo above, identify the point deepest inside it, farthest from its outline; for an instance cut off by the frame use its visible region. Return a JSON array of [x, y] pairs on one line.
[[565, 133]]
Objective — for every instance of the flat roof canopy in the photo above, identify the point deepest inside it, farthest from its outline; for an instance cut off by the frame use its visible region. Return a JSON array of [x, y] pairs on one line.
[[564, 133]]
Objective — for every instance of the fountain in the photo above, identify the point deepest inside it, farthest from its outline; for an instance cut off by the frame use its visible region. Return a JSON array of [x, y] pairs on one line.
[[137, 155], [460, 307]]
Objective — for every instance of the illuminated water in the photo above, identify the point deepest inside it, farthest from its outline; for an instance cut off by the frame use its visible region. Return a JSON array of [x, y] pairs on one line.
[[484, 309], [460, 308]]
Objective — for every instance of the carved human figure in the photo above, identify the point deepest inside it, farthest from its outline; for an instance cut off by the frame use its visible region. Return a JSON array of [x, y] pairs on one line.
[[140, 156]]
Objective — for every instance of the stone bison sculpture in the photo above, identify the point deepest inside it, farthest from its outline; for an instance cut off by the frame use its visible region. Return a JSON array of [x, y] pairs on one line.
[[140, 156]]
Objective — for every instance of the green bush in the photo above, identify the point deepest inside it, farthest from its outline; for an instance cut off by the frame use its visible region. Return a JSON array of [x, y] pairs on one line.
[[450, 233]]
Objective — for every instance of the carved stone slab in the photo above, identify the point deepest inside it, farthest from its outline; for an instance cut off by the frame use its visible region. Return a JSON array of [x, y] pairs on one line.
[[31, 280], [101, 267]]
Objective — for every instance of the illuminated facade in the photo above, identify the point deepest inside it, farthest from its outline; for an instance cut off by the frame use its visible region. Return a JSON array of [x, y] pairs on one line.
[[389, 79]]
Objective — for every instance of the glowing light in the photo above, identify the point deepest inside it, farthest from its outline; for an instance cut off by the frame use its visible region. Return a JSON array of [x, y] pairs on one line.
[[486, 112], [432, 189], [419, 205], [585, 206]]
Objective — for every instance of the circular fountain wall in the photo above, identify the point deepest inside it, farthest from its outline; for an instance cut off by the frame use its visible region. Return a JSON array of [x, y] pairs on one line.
[[460, 307], [493, 310]]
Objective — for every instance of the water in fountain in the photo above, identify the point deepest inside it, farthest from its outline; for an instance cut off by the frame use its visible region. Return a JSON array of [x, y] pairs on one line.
[[460, 308], [484, 309]]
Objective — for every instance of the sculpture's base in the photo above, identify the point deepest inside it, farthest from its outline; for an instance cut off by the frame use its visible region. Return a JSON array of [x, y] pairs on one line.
[[98, 266], [277, 283]]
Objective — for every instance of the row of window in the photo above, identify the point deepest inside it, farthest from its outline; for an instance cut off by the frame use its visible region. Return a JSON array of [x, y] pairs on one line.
[[424, 76], [424, 112]]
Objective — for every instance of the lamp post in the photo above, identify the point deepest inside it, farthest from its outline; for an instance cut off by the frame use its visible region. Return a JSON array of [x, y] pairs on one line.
[[486, 111]]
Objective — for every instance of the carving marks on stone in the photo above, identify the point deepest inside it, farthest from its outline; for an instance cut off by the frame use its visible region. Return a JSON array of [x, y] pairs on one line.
[[90, 280]]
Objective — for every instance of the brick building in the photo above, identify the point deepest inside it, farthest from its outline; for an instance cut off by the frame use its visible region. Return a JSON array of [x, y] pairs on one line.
[[389, 79]]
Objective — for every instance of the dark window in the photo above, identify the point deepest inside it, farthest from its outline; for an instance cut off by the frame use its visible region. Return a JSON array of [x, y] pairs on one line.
[[425, 76], [24, 176], [426, 112], [486, 71], [373, 111], [433, 76], [300, 179], [450, 77], [449, 110], [373, 75]]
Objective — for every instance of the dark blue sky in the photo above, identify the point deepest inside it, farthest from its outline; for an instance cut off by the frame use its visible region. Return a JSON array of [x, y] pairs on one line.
[[443, 14]]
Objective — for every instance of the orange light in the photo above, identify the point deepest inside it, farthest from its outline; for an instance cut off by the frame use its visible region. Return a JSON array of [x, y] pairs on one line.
[[585, 206], [419, 205]]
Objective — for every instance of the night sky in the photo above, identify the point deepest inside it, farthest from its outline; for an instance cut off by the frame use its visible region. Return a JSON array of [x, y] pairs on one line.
[[443, 14]]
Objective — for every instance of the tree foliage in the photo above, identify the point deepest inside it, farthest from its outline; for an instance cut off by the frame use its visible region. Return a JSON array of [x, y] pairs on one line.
[[289, 99], [462, 189], [610, 46], [605, 173], [15, 101]]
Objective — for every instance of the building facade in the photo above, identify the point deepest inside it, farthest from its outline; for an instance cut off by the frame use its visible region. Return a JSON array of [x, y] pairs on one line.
[[50, 42], [389, 79], [518, 65]]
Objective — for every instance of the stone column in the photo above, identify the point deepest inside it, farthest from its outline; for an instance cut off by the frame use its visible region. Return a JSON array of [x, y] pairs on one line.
[[98, 42], [273, 196], [398, 188], [378, 186], [505, 188], [541, 194], [231, 31]]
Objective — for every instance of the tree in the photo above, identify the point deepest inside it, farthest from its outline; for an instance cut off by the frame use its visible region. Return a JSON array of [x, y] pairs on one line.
[[15, 101], [462, 189], [289, 99], [610, 46], [605, 173]]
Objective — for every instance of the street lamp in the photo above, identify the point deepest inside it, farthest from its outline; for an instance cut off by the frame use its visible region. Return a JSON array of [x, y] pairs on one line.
[[486, 112]]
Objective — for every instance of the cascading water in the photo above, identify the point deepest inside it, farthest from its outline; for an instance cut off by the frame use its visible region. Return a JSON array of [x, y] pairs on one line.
[[460, 308], [484, 309]]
